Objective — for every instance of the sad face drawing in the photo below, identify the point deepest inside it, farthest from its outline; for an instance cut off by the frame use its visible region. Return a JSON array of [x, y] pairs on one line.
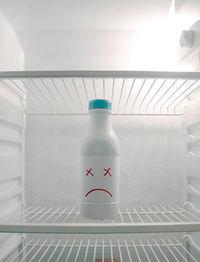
[[106, 173], [99, 179]]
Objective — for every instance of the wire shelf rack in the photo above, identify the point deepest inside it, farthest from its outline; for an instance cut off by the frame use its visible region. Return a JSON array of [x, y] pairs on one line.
[[128, 220], [68, 92], [109, 250]]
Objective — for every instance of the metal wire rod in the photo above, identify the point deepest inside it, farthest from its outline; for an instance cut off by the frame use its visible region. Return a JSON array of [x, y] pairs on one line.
[[173, 214], [33, 209], [55, 212], [15, 216], [128, 251], [194, 82], [131, 88], [103, 251], [44, 221], [24, 92], [26, 254], [177, 250], [76, 216], [61, 252], [185, 98], [122, 88], [94, 88], [138, 215], [149, 211], [104, 96], [38, 250], [161, 251], [152, 250], [43, 94], [121, 216], [135, 100], [113, 86], [70, 212], [146, 95], [136, 251], [120, 252], [52, 95], [84, 85], [170, 250], [78, 251], [176, 90], [167, 217], [30, 90], [99, 74], [150, 219], [145, 252], [36, 214], [14, 248], [111, 251], [56, 247], [185, 250], [160, 98], [45, 213], [60, 215], [180, 213], [46, 250], [19, 88], [46, 96], [95, 250], [156, 215], [189, 213], [74, 84], [12, 89], [153, 97], [99, 245], [58, 91], [70, 97], [69, 253], [86, 251], [19, 253], [129, 215]]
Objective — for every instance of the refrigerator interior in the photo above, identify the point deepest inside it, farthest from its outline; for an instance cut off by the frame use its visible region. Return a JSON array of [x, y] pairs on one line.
[[43, 116]]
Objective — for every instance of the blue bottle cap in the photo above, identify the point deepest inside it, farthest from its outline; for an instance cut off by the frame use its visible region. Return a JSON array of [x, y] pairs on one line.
[[100, 104]]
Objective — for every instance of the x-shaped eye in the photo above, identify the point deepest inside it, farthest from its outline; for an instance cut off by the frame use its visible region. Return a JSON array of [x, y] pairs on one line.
[[107, 172], [88, 172]]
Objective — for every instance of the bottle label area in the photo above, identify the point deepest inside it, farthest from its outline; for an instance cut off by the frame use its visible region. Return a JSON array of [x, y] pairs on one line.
[[100, 179]]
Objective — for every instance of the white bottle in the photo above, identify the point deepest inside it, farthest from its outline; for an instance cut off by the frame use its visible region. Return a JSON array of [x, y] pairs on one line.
[[100, 164]]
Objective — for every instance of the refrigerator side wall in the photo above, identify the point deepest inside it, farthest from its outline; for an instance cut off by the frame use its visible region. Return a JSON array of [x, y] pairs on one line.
[[11, 125]]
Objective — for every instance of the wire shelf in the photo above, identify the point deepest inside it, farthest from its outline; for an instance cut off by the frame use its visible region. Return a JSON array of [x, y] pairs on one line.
[[108, 250], [128, 220], [68, 92]]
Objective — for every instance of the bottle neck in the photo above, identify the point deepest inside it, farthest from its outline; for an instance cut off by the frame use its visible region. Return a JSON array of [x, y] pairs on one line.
[[100, 120]]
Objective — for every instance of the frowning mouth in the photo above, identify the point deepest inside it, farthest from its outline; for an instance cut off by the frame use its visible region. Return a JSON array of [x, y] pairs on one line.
[[98, 189]]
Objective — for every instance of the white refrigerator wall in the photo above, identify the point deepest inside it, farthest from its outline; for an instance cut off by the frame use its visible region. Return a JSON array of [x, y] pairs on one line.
[[105, 35], [11, 52]]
